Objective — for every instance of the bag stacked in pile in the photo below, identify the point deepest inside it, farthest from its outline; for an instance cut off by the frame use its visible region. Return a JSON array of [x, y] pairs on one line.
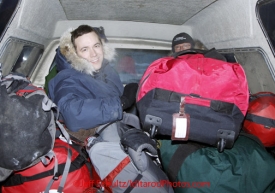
[[195, 106], [125, 159], [32, 160], [194, 168], [212, 94]]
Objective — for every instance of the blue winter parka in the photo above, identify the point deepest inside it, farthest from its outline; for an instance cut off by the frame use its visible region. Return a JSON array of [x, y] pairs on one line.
[[86, 101]]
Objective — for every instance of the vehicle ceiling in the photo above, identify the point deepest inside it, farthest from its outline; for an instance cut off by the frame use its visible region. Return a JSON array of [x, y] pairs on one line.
[[175, 12]]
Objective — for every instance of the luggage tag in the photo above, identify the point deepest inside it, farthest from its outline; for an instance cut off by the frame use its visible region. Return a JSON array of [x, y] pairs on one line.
[[181, 124]]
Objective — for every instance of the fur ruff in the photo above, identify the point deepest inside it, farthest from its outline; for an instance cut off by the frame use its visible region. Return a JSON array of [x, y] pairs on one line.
[[67, 49]]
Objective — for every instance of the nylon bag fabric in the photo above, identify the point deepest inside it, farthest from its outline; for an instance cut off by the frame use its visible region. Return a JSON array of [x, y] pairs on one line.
[[215, 93], [246, 168], [36, 178], [121, 165], [27, 130], [260, 118]]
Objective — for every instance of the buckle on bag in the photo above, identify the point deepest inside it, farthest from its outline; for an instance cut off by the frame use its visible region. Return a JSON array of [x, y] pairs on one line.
[[151, 124], [226, 139]]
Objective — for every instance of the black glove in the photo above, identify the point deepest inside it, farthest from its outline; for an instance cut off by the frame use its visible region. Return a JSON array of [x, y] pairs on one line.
[[129, 95]]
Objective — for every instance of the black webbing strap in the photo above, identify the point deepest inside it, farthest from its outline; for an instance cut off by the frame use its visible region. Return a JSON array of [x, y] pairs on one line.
[[252, 137], [167, 95], [131, 187], [260, 95], [212, 53], [103, 128], [171, 96], [18, 179], [260, 120], [183, 151]]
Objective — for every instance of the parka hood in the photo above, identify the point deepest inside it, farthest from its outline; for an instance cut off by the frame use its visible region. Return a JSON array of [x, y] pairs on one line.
[[67, 49]]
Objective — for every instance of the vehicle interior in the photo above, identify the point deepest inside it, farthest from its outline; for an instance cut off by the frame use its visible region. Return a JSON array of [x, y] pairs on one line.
[[140, 32], [243, 31]]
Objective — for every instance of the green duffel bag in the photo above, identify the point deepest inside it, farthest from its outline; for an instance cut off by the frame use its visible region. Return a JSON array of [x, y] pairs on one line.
[[192, 168]]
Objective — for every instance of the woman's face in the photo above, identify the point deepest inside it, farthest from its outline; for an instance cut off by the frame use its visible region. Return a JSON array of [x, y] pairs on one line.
[[90, 48]]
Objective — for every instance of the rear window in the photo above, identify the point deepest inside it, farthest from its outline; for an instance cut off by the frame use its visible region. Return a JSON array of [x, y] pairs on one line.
[[131, 63]]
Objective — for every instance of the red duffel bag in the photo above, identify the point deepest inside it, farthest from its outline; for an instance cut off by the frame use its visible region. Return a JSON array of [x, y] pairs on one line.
[[260, 118], [213, 93], [36, 178]]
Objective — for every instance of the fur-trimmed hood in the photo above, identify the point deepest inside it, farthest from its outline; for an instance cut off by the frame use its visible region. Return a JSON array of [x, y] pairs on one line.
[[67, 49]]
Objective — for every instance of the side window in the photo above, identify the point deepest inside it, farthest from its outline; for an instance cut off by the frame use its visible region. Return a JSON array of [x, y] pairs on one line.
[[20, 56], [259, 71], [266, 18]]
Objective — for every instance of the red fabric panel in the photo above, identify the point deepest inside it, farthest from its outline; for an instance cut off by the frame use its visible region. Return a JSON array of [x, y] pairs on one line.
[[266, 135], [38, 186], [197, 101], [194, 74], [263, 106], [117, 170], [108, 181]]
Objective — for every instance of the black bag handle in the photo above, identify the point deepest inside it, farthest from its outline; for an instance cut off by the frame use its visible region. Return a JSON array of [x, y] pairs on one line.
[[212, 53], [259, 95], [190, 51], [182, 152]]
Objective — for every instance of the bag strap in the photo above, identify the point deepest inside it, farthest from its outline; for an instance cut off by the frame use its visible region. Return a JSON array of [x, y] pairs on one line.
[[252, 137], [259, 95], [136, 180], [212, 53], [18, 179], [260, 120], [182, 152], [47, 105], [15, 82], [189, 51]]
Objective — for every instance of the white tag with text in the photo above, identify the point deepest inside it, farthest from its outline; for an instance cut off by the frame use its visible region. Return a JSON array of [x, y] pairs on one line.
[[181, 127]]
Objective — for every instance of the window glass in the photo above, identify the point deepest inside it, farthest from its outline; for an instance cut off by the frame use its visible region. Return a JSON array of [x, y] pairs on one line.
[[7, 8], [266, 14], [131, 63], [259, 71], [20, 56]]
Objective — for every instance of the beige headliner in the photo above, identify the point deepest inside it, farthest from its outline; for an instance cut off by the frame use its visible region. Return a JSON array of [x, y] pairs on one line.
[[175, 12]]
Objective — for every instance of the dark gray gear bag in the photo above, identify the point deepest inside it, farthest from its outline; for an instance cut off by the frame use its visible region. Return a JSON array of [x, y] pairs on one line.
[[27, 127], [125, 159]]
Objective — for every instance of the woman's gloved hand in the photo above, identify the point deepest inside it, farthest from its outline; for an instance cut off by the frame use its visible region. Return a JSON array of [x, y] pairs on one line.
[[128, 97]]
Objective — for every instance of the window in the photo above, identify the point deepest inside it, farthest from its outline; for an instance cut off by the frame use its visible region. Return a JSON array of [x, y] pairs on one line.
[[7, 11], [20, 56], [131, 63], [266, 17], [259, 71]]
